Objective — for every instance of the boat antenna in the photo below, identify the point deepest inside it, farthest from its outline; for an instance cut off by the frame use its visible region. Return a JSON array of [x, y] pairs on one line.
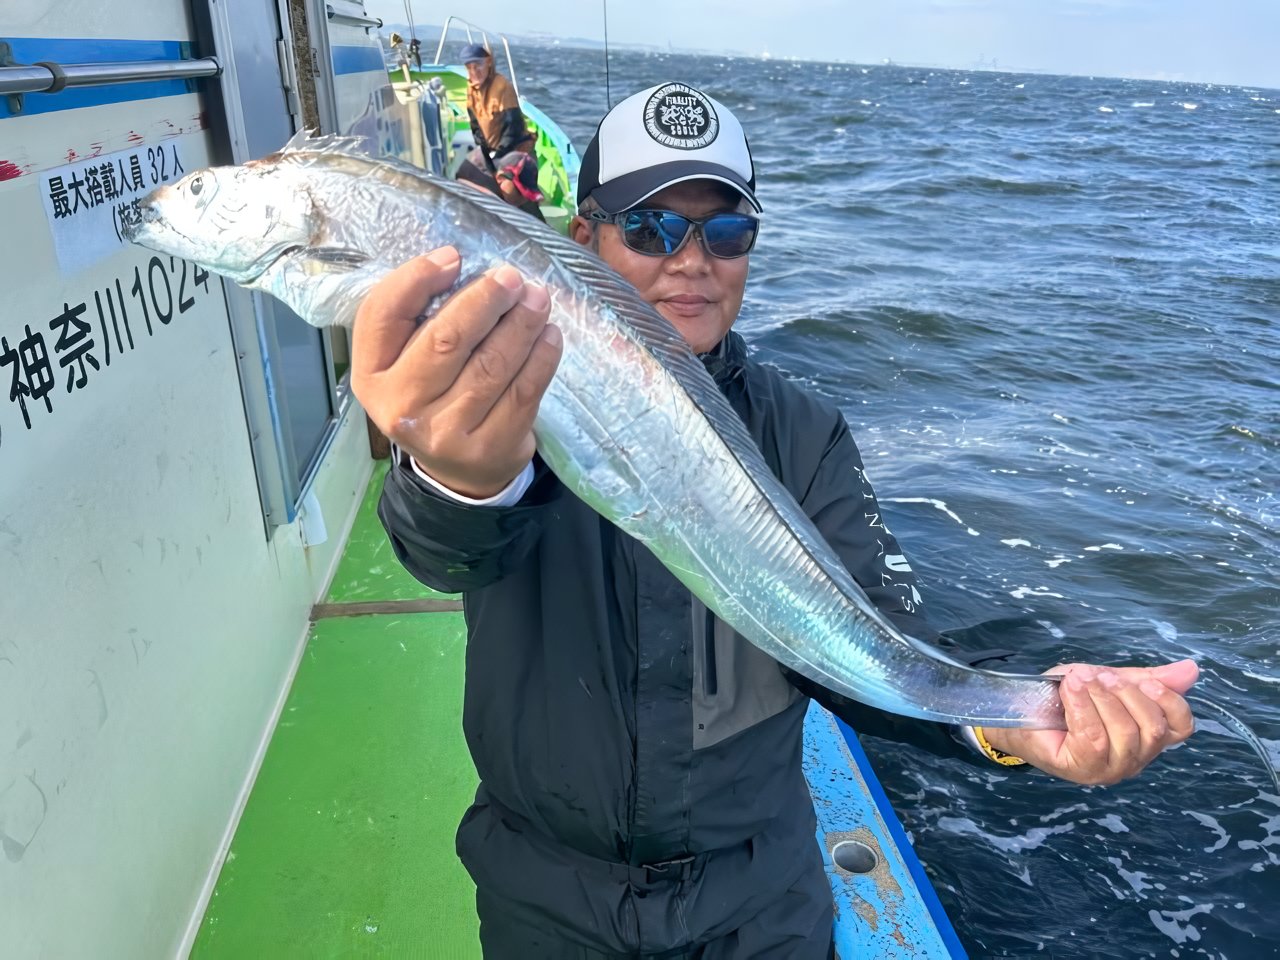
[[608, 99]]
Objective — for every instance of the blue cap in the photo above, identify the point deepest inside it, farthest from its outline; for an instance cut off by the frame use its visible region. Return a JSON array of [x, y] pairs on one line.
[[473, 52]]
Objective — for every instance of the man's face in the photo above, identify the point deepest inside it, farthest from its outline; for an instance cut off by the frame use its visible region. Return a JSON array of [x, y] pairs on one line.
[[700, 294], [477, 72]]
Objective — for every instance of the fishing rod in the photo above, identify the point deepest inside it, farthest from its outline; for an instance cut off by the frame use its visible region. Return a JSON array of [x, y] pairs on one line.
[[408, 12], [608, 99]]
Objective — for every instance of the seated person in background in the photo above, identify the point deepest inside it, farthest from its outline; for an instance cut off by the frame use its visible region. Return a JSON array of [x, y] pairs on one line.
[[497, 122]]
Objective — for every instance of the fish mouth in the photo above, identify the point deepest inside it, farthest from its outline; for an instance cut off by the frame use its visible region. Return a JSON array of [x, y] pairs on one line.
[[135, 229]]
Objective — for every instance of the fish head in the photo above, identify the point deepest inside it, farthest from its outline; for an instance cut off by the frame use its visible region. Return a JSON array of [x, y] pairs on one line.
[[234, 221]]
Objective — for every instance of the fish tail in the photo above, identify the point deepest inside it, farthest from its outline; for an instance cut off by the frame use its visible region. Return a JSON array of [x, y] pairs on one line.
[[1242, 730]]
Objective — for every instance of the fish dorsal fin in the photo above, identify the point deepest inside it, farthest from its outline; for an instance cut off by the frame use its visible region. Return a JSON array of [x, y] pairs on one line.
[[303, 144], [297, 142]]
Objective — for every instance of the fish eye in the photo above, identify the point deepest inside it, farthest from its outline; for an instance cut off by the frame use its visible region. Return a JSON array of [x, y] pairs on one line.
[[196, 186]]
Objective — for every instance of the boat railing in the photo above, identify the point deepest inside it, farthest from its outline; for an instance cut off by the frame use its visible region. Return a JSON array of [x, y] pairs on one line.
[[46, 76], [484, 38], [352, 19]]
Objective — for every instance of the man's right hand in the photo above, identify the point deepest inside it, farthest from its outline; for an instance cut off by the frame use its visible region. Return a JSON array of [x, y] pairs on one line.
[[459, 394]]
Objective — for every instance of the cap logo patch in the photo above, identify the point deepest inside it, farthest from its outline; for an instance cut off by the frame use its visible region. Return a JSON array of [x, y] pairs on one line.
[[681, 117]]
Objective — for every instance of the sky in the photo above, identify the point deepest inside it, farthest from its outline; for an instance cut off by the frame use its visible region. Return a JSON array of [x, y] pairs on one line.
[[1213, 41]]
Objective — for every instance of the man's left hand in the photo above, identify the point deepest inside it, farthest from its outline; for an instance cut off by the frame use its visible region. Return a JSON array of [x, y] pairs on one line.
[[1119, 719]]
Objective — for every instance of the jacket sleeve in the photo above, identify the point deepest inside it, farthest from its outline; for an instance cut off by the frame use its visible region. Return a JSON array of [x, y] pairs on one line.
[[509, 127], [455, 547], [478, 135], [843, 506], [513, 129]]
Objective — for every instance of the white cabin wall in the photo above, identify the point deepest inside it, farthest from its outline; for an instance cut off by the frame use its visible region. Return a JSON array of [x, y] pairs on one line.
[[148, 641], [149, 624]]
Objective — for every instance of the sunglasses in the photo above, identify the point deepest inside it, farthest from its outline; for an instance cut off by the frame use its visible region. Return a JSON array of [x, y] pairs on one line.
[[660, 233]]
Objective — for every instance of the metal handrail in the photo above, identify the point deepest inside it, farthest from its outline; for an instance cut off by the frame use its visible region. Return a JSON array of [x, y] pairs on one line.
[[49, 77], [352, 18], [484, 35]]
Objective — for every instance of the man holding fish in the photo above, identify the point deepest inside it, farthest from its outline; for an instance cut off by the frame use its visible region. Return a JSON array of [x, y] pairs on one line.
[[641, 785]]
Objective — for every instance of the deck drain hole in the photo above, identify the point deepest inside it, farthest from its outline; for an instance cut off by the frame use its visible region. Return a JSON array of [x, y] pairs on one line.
[[854, 856]]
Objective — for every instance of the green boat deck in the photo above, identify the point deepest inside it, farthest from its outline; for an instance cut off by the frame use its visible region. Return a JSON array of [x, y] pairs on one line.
[[345, 848]]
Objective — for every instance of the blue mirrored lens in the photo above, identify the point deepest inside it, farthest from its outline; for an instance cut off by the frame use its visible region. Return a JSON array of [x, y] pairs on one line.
[[660, 233], [730, 235]]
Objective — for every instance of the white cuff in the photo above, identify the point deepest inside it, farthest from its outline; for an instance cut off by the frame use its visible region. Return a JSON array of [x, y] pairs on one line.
[[506, 497], [971, 739]]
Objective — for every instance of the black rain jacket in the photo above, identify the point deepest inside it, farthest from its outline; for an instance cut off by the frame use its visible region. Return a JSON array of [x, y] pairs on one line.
[[621, 732]]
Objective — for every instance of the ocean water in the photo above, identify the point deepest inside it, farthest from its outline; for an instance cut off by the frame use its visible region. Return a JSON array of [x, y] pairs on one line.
[[1050, 308]]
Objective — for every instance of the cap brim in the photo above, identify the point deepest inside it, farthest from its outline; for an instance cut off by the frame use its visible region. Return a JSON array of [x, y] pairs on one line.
[[533, 196], [625, 192]]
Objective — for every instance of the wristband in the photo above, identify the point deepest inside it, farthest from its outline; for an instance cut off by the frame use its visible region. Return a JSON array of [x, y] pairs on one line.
[[999, 756]]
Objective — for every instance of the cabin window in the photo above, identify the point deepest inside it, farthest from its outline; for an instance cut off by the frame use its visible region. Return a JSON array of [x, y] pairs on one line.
[[293, 376], [340, 357]]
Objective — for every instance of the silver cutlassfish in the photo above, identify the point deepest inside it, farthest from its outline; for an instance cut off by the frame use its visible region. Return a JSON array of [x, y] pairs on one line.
[[631, 423]]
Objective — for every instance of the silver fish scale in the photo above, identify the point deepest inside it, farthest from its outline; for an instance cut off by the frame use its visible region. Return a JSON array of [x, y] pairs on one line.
[[634, 426]]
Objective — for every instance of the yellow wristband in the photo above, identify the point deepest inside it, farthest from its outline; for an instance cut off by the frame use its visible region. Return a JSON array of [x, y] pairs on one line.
[[999, 756]]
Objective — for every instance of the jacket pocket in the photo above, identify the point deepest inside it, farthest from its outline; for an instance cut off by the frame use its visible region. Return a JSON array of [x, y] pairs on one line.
[[709, 678]]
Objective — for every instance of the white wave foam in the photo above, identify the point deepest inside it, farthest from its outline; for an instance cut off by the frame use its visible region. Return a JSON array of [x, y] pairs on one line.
[[1136, 880], [1060, 447], [1223, 837], [1016, 543], [1033, 838], [1021, 593], [1063, 811], [1141, 104], [1262, 677], [1112, 822], [1053, 629], [938, 504], [1057, 562], [1166, 921], [1106, 110], [1167, 631], [1105, 546]]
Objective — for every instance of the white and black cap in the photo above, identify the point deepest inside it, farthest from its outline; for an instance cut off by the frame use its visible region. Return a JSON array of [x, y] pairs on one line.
[[662, 136]]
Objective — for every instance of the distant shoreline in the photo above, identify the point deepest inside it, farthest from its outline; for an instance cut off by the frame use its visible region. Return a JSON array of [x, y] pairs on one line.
[[585, 43]]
